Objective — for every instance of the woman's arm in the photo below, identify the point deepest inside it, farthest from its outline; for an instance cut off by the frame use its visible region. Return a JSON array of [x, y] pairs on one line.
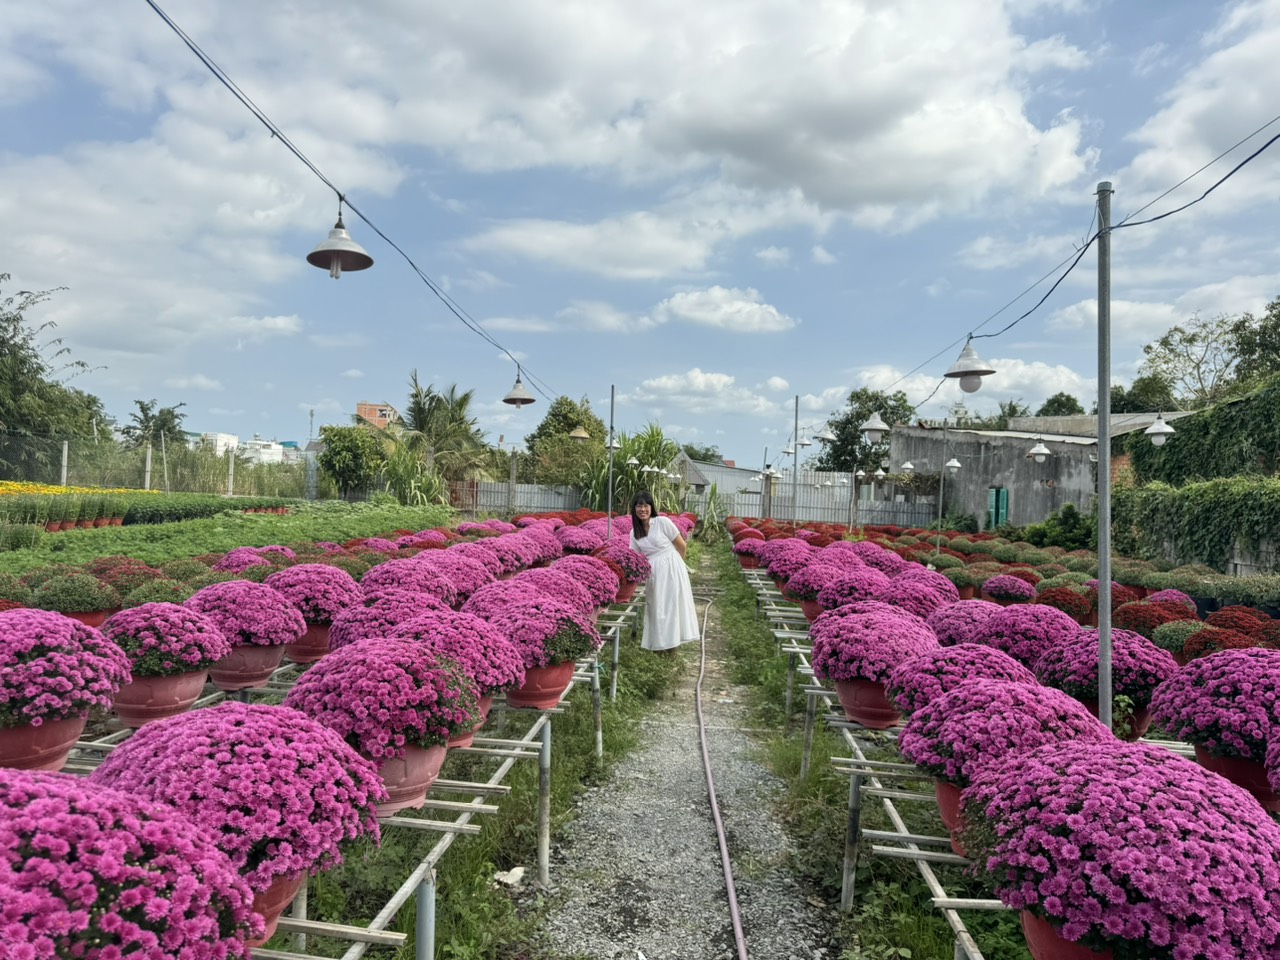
[[680, 545]]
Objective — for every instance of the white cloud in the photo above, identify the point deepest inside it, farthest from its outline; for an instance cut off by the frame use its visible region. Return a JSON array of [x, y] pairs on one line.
[[741, 311], [776, 384], [520, 324], [831, 398], [327, 405], [821, 255], [696, 391], [597, 315], [223, 412], [774, 256], [195, 382], [352, 374], [338, 341]]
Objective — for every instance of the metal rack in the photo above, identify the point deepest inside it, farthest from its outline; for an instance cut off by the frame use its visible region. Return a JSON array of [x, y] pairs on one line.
[[450, 809]]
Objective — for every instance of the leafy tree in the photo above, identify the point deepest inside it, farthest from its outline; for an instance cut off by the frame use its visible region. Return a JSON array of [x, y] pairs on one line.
[[351, 456], [150, 424], [849, 452], [1000, 419], [439, 430], [554, 456], [1061, 405], [1197, 359], [1257, 345], [1147, 394], [37, 408], [703, 453], [650, 449]]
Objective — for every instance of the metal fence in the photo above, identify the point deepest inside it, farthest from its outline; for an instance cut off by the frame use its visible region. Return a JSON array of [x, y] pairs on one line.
[[507, 498], [819, 506]]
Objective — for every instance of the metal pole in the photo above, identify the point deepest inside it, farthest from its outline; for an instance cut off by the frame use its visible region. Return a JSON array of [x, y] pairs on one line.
[[853, 833], [511, 484], [608, 529], [942, 473], [1104, 453], [299, 912], [613, 671], [231, 471], [146, 470], [164, 462], [810, 721], [424, 925], [65, 446], [597, 708], [795, 470], [544, 807]]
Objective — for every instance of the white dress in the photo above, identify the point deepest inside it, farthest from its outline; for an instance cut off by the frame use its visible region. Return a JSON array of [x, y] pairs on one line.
[[670, 618]]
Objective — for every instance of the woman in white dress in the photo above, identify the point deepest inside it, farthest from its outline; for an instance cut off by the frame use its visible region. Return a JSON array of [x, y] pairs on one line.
[[669, 615]]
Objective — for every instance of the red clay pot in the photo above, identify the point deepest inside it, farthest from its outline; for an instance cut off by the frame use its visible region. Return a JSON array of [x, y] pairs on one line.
[[1249, 774], [866, 702], [542, 687], [247, 665], [1045, 943], [145, 699], [43, 747], [408, 778]]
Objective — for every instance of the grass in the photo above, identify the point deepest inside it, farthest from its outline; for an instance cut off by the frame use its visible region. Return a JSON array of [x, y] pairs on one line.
[[892, 915]]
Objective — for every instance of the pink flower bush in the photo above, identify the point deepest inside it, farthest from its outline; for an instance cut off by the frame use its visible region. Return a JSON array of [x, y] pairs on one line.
[[915, 596], [483, 652], [163, 639], [922, 576], [874, 555], [559, 585], [241, 559], [410, 574], [383, 695], [319, 591], [634, 564], [867, 645], [467, 574], [1025, 632], [493, 598], [749, 547], [1131, 847], [927, 676], [547, 631], [1228, 702], [53, 667], [594, 574], [1172, 596], [542, 539], [852, 586], [379, 615], [955, 621], [982, 722], [807, 582], [90, 872], [785, 564], [1138, 666], [476, 551], [280, 793], [248, 612], [512, 552], [578, 540], [1005, 587], [379, 545]]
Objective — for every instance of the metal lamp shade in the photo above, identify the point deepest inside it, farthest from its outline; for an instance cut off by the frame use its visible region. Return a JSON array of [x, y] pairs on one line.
[[339, 252], [969, 369], [518, 396]]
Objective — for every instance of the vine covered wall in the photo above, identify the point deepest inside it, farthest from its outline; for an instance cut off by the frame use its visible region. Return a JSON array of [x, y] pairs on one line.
[[1199, 522], [1233, 438]]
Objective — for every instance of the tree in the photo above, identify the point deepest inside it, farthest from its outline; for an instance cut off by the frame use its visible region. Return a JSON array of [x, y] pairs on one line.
[[37, 409], [1000, 419], [849, 452], [1061, 405], [438, 429], [1148, 394], [351, 456], [1257, 345], [1197, 359], [554, 456], [703, 454], [150, 424]]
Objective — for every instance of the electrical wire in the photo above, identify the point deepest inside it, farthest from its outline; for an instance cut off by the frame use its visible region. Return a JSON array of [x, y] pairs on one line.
[[453, 307]]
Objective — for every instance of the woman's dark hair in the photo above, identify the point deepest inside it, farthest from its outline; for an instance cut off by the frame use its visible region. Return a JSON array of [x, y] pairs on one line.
[[642, 529]]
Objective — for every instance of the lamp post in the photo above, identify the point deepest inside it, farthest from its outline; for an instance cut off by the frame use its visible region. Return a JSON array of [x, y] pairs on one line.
[[613, 445], [952, 466], [795, 470], [1104, 453]]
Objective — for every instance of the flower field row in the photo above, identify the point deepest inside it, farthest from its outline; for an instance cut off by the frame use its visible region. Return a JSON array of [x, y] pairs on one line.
[[205, 822]]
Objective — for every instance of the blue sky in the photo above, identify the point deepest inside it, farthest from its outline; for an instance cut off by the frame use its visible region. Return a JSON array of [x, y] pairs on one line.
[[714, 207]]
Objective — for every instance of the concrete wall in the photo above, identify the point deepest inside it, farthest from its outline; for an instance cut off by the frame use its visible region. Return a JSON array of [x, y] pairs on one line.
[[994, 460]]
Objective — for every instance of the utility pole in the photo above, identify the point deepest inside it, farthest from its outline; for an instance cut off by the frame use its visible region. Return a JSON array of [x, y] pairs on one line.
[[1104, 453]]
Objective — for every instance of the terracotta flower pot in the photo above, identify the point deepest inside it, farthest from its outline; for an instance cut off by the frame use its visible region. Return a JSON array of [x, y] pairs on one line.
[[117, 521], [948, 797], [1045, 943], [748, 562], [43, 747], [866, 702], [153, 698], [1139, 722], [811, 609], [1180, 658], [311, 646], [408, 778], [626, 590], [967, 593], [466, 739], [101, 521], [273, 901], [1249, 774], [542, 687], [90, 618], [52, 526], [247, 665]]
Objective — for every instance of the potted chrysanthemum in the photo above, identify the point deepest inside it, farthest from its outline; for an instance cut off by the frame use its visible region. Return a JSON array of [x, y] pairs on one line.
[[413, 575], [857, 647], [633, 564], [804, 586], [257, 621], [1125, 851], [1225, 705], [745, 551], [559, 585], [79, 596], [320, 592], [852, 586], [170, 650], [551, 636], [53, 671], [1074, 603], [1138, 666], [91, 872], [1025, 631], [396, 704], [980, 722], [594, 574], [1006, 589], [486, 656], [953, 622], [923, 678], [281, 794]]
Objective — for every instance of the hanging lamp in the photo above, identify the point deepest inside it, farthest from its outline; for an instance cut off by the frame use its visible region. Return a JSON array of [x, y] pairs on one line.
[[969, 369], [339, 252], [1159, 431], [518, 396]]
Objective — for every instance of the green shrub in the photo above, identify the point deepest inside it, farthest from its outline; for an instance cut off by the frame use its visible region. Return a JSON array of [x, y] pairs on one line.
[[1173, 636], [13, 589], [74, 593], [1005, 553], [943, 562], [184, 569], [159, 591]]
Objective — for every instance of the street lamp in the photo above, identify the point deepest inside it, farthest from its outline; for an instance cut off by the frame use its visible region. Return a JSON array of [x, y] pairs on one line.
[[907, 467], [339, 252], [1159, 431], [825, 435], [1039, 452], [580, 434], [874, 429], [953, 465], [518, 396], [969, 369], [632, 462]]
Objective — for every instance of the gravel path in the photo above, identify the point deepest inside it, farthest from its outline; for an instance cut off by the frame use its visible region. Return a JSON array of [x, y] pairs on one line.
[[638, 875]]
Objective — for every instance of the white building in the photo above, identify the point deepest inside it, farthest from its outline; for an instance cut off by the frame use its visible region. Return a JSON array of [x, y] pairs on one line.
[[220, 442], [258, 450]]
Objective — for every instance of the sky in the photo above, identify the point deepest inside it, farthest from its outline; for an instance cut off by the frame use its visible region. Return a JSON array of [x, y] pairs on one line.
[[712, 208]]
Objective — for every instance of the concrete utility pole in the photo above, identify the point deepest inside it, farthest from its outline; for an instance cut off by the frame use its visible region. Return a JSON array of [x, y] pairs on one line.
[[1104, 453]]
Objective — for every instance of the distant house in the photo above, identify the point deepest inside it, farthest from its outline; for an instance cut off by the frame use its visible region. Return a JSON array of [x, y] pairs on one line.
[[258, 450], [220, 442], [378, 414]]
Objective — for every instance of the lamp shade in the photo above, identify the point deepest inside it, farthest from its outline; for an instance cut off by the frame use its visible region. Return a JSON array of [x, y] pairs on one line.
[[788, 451], [804, 442], [953, 465], [825, 435], [579, 434], [339, 252], [874, 429], [1040, 452], [969, 369], [518, 396], [907, 467], [632, 462], [1159, 431], [880, 472]]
